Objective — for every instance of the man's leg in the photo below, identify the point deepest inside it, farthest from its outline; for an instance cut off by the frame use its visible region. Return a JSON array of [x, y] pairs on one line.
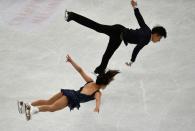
[[113, 45], [106, 29]]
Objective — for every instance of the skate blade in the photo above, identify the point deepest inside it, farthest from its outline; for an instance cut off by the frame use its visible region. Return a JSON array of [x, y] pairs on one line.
[[19, 107], [66, 15], [27, 112], [94, 73]]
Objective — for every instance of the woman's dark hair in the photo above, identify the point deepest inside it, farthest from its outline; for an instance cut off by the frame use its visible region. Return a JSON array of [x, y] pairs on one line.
[[160, 31], [106, 78]]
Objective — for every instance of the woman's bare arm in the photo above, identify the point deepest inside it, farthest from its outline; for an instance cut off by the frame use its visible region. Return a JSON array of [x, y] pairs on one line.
[[98, 101], [86, 77]]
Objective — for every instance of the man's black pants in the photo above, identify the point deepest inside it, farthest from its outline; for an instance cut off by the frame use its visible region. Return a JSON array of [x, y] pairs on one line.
[[113, 31]]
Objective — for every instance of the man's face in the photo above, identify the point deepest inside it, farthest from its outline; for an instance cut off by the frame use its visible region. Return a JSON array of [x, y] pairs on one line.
[[156, 38]]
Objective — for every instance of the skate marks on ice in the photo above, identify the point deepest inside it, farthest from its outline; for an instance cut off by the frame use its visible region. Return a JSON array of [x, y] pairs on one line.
[[28, 13], [144, 99], [179, 111]]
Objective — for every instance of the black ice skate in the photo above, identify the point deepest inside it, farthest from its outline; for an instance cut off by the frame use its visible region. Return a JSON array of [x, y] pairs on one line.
[[67, 15], [99, 71]]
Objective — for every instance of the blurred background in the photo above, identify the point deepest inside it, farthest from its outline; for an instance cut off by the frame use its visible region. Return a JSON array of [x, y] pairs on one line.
[[156, 94]]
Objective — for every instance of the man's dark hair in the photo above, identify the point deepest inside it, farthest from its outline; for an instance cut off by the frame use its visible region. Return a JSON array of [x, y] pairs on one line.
[[106, 78], [160, 31]]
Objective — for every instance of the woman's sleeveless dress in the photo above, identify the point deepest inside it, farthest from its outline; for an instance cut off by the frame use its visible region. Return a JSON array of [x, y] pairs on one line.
[[76, 97]]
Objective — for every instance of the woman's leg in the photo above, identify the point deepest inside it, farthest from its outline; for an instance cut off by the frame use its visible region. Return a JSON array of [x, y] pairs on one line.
[[106, 29], [47, 102], [59, 104]]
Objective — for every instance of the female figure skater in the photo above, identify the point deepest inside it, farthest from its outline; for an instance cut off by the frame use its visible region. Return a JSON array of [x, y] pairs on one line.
[[118, 33], [70, 98]]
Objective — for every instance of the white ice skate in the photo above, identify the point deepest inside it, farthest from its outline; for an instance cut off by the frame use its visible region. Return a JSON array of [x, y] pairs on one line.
[[21, 107], [28, 112]]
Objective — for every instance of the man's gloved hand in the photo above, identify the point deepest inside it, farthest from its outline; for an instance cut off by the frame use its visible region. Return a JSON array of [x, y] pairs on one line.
[[129, 63]]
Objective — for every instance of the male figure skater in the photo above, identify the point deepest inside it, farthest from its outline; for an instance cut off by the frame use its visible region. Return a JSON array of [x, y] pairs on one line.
[[118, 33]]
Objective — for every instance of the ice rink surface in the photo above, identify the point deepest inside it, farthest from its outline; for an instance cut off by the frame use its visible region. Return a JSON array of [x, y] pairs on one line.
[[156, 94]]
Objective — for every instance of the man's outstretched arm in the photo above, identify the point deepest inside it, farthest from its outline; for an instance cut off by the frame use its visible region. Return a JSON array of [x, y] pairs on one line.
[[134, 54], [137, 14]]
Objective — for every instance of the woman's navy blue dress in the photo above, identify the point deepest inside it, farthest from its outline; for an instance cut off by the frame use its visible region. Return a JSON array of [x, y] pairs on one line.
[[76, 97]]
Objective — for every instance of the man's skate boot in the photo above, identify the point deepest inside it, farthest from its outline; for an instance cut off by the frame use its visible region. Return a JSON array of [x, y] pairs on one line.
[[28, 112], [99, 71], [67, 15], [21, 107]]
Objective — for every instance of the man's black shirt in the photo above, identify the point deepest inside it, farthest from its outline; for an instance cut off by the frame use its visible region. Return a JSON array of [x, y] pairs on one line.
[[140, 36]]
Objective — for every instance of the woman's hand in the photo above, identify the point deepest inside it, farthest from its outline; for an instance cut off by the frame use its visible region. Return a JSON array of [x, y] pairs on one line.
[[96, 110], [68, 58]]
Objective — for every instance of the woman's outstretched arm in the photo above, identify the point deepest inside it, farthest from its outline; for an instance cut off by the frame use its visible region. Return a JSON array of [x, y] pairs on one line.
[[98, 101], [86, 77]]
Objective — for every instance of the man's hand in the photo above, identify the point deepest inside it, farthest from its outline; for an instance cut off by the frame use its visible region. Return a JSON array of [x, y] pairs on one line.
[[134, 3], [68, 58], [129, 63], [96, 110]]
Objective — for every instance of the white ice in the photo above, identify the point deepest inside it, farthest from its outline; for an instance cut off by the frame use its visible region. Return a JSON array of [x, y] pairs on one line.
[[156, 94]]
